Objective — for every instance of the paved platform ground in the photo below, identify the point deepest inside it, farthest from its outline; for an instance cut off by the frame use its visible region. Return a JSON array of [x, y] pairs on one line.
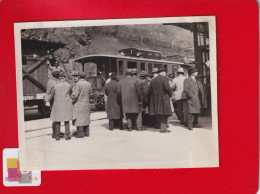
[[119, 149]]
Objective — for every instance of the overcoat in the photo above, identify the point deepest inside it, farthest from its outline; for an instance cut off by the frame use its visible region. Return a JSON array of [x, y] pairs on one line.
[[80, 97], [177, 87], [114, 105], [145, 85], [62, 109], [192, 88], [131, 95], [50, 86], [160, 92]]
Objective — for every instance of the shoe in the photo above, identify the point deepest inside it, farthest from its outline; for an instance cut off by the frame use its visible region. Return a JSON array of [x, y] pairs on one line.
[[75, 133], [197, 126], [111, 129], [190, 128], [67, 137], [57, 138], [166, 131], [53, 135], [77, 136], [86, 133], [141, 129], [130, 129]]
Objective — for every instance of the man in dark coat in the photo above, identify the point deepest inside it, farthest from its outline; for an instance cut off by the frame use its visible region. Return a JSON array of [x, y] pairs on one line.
[[145, 89], [161, 92], [114, 104], [131, 96], [192, 89], [139, 120]]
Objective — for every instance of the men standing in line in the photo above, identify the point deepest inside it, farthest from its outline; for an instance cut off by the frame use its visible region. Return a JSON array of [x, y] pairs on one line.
[[114, 104], [62, 110], [192, 89], [161, 92], [177, 87], [80, 97], [131, 96], [139, 120]]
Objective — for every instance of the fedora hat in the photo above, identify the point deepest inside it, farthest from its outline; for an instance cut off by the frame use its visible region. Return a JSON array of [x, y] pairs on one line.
[[192, 70], [75, 73], [180, 70], [134, 71], [128, 72], [155, 70], [55, 74], [161, 69], [143, 74]]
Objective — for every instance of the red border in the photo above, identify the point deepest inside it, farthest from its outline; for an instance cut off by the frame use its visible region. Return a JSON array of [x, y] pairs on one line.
[[237, 68]]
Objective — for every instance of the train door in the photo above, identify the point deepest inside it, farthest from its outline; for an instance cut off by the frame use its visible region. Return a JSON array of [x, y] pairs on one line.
[[149, 68], [121, 67]]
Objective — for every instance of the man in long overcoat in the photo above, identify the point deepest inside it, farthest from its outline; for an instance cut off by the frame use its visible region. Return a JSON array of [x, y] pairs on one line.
[[114, 104], [192, 88], [139, 120], [145, 90], [131, 96], [62, 109], [161, 92], [53, 80], [80, 97]]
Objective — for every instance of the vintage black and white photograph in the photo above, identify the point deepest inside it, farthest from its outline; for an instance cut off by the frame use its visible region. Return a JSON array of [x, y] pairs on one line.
[[117, 94]]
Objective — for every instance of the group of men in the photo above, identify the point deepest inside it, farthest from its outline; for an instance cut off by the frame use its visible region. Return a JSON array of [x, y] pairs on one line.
[[146, 100], [69, 102]]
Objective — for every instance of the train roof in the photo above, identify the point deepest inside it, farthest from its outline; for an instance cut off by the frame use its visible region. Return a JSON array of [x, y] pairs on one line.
[[87, 58], [142, 50]]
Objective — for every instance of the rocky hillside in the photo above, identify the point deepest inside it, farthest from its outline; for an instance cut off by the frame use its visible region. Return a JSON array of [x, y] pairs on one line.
[[170, 40]]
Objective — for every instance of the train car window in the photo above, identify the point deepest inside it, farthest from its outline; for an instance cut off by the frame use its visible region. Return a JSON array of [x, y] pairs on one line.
[[142, 66], [113, 67], [131, 65], [157, 65], [121, 67], [165, 66], [150, 68]]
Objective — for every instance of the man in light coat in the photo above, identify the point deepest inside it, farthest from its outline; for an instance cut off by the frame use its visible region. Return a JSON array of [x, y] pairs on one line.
[[161, 92], [62, 109], [192, 88], [80, 97], [131, 96], [53, 80], [177, 87]]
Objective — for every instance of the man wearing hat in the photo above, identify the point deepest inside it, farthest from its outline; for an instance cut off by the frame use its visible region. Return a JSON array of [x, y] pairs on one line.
[[161, 92], [114, 104], [80, 97], [131, 96], [145, 86], [191, 89], [50, 86], [139, 120], [62, 109], [155, 72], [179, 95], [105, 96]]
